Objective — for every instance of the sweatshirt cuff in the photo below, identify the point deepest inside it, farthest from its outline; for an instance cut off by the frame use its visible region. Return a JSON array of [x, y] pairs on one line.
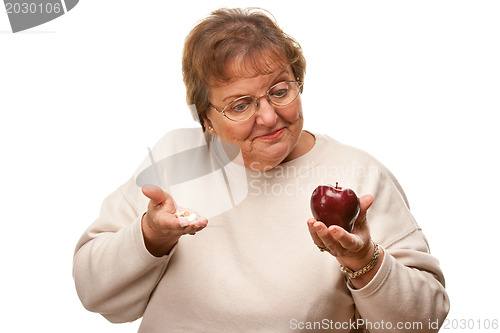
[[141, 245], [378, 280]]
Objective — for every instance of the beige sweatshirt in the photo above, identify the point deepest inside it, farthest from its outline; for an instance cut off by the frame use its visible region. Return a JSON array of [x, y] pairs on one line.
[[254, 268]]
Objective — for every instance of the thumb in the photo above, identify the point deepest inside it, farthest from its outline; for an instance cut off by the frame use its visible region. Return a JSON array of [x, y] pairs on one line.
[[365, 202], [158, 196]]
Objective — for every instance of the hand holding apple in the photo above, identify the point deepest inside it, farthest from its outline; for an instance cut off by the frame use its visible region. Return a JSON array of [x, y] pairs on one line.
[[351, 249]]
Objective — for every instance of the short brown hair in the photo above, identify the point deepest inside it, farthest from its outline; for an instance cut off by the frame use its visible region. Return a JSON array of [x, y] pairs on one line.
[[227, 35]]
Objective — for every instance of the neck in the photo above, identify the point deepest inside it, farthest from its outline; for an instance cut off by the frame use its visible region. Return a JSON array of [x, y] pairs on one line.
[[305, 144]]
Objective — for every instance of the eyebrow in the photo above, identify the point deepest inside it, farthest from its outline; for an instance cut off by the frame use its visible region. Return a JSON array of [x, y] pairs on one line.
[[240, 95]]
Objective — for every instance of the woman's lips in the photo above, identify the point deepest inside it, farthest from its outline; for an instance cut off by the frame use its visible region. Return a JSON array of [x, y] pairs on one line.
[[272, 135]]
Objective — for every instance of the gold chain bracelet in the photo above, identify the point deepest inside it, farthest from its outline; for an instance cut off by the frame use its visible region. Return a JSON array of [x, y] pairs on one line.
[[354, 274]]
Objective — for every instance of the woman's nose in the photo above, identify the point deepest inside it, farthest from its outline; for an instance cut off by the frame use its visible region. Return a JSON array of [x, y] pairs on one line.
[[266, 114]]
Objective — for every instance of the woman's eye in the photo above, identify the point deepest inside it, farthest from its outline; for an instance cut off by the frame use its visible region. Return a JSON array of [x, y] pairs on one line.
[[280, 90], [240, 106], [280, 93]]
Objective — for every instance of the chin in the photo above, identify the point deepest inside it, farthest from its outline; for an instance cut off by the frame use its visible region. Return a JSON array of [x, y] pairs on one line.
[[269, 157]]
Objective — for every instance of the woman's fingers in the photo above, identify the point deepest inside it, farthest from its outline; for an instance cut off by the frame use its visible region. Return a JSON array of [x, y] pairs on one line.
[[326, 237], [314, 235], [196, 226]]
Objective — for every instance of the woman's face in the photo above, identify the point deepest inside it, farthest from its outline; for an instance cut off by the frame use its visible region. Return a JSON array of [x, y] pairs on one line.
[[273, 134]]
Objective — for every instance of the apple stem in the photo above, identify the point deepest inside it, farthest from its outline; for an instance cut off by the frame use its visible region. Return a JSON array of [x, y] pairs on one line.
[[336, 184]]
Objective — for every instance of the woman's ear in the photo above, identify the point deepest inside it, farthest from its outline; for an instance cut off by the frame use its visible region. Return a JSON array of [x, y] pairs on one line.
[[208, 124]]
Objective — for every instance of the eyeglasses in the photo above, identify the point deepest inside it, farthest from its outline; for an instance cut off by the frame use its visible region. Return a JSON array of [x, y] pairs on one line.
[[243, 108]]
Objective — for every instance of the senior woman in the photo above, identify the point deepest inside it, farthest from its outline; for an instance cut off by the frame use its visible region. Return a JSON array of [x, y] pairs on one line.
[[261, 268]]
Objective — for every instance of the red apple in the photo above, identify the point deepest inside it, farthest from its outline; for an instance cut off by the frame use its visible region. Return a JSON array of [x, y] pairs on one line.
[[334, 205]]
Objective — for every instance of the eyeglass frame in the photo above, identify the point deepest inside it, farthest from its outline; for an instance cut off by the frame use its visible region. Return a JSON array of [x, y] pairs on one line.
[[257, 99]]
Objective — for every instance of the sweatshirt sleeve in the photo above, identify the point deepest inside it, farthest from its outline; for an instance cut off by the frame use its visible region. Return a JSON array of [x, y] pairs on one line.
[[113, 271], [407, 294]]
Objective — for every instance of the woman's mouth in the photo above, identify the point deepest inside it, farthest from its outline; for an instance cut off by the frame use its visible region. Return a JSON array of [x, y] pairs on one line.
[[272, 135]]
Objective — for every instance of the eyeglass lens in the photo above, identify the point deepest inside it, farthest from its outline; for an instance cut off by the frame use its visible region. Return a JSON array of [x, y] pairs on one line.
[[280, 94]]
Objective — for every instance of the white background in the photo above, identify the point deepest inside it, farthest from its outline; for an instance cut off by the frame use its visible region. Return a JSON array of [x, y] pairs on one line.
[[414, 83]]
